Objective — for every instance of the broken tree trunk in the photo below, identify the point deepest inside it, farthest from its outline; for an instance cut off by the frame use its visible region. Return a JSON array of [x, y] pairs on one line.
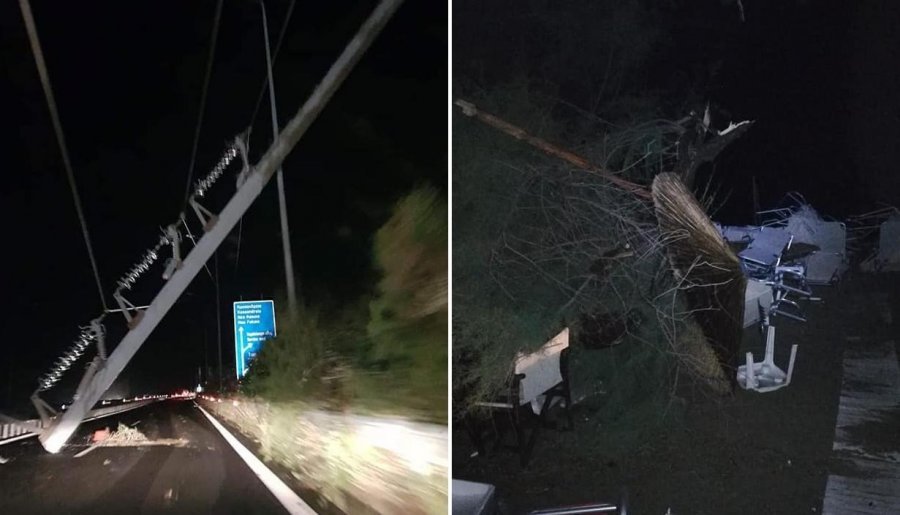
[[694, 149], [469, 109]]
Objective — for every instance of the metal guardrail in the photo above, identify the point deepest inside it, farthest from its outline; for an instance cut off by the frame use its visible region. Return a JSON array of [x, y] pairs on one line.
[[14, 431]]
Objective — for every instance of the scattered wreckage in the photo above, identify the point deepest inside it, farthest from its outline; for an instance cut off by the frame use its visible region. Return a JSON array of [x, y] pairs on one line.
[[791, 250], [731, 277], [794, 248]]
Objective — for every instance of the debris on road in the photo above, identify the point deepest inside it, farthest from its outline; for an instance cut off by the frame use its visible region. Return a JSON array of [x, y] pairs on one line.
[[765, 376], [819, 244], [3, 460], [100, 435], [126, 436], [885, 256]]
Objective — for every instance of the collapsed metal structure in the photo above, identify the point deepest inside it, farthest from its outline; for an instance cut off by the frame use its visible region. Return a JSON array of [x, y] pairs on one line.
[[178, 272]]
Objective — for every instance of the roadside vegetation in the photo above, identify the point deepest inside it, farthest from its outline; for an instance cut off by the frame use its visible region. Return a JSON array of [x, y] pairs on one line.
[[385, 352]]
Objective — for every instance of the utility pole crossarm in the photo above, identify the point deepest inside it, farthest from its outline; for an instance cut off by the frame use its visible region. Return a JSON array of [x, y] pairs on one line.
[[54, 437]]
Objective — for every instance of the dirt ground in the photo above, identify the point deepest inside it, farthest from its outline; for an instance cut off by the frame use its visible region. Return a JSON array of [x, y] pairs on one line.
[[749, 453]]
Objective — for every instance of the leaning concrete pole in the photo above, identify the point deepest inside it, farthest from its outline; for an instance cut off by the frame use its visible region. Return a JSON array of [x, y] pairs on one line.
[[61, 429]]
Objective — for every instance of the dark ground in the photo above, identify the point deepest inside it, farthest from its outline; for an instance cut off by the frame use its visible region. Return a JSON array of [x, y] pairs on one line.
[[752, 453], [206, 476]]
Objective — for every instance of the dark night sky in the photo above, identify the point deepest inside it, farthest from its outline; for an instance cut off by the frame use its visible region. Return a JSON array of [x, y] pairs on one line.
[[127, 78], [820, 77], [821, 80]]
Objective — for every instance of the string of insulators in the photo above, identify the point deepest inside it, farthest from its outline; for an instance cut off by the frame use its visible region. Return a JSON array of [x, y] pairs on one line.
[[150, 257], [84, 339], [205, 183], [88, 335]]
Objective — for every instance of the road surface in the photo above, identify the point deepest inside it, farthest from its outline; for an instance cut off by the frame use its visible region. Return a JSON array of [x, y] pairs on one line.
[[191, 469]]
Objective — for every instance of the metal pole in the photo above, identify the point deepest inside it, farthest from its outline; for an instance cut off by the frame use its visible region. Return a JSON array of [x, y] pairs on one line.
[[219, 321], [55, 436], [279, 179], [12, 359], [205, 353]]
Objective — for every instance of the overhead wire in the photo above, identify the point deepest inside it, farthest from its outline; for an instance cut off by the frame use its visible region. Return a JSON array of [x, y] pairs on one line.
[[60, 138], [203, 94], [262, 89], [259, 97], [209, 65]]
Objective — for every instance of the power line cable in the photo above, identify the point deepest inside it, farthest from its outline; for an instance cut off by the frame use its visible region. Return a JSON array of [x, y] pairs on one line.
[[209, 64], [237, 257], [60, 138], [262, 89]]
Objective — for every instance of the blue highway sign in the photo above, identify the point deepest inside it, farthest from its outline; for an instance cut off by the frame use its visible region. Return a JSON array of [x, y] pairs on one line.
[[254, 323]]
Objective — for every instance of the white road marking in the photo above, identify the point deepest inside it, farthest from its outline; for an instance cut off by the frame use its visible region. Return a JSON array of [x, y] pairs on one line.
[[869, 481], [17, 438], [89, 449], [287, 497], [171, 442]]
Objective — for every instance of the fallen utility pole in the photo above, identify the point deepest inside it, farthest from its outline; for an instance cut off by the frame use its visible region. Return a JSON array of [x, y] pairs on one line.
[[470, 110], [62, 427]]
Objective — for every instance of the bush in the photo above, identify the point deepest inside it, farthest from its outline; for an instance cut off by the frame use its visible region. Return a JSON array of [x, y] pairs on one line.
[[408, 322], [289, 366], [386, 353]]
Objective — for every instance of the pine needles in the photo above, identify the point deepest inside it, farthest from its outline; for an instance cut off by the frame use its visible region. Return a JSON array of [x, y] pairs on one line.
[[707, 270]]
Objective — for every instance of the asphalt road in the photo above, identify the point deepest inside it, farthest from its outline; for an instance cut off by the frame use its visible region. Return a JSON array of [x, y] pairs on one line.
[[192, 470]]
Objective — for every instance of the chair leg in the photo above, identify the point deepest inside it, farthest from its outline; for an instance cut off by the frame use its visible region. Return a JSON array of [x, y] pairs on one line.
[[538, 421], [525, 451], [520, 437], [499, 430], [474, 432]]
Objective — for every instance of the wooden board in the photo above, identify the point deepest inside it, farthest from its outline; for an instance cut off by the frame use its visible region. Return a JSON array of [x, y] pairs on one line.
[[865, 461]]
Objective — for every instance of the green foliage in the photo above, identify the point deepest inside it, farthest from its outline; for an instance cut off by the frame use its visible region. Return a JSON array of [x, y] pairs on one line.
[[386, 353], [408, 323], [411, 253], [289, 366], [594, 51]]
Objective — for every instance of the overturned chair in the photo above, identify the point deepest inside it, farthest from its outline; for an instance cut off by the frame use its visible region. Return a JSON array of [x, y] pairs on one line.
[[538, 382], [773, 258]]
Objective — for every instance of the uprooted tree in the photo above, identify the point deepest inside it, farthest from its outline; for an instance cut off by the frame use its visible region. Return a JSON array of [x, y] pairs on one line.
[[549, 238]]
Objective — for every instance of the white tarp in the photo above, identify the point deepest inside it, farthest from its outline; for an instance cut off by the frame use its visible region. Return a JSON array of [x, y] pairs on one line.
[[767, 245], [737, 233], [806, 226], [541, 369], [829, 262], [888, 256]]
